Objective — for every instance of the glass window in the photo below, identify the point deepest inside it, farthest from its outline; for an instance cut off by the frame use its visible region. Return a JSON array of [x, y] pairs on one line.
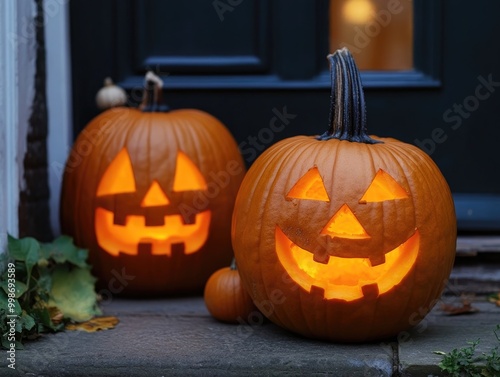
[[379, 33]]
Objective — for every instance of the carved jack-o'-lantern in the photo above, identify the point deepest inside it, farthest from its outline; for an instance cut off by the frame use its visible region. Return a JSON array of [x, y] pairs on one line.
[[170, 230], [346, 273], [344, 236], [150, 193]]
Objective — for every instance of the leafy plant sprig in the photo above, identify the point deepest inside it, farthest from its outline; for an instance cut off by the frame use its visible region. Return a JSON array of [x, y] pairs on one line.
[[49, 284], [463, 362]]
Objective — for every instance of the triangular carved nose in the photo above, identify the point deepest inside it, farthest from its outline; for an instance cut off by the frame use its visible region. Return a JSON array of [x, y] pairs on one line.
[[344, 224], [155, 196]]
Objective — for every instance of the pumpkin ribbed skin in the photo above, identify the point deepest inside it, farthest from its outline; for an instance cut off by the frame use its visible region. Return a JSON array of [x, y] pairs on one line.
[[344, 236], [347, 169], [225, 297], [152, 140]]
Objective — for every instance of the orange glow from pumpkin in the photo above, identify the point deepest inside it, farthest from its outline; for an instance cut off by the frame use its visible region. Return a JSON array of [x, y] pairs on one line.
[[113, 238], [346, 279], [155, 196], [126, 238], [187, 176], [382, 188], [309, 186], [118, 177], [344, 224]]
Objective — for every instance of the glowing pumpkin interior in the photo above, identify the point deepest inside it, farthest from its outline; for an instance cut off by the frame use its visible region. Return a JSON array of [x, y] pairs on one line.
[[346, 278], [125, 238]]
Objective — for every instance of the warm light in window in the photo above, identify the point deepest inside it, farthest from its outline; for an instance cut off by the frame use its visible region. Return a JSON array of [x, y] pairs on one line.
[[379, 33], [358, 11]]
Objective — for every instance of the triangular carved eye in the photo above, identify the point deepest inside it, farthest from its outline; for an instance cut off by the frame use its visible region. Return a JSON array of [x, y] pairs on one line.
[[187, 175], [118, 177], [309, 186], [382, 188]]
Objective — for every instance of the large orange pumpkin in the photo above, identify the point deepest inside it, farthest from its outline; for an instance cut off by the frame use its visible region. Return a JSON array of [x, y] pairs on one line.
[[150, 192], [344, 236]]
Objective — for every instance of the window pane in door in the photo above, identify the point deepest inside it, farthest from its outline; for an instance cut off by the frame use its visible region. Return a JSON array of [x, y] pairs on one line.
[[379, 33]]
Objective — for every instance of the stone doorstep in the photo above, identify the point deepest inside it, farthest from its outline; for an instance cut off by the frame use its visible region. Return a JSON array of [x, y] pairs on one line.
[[178, 337], [472, 245]]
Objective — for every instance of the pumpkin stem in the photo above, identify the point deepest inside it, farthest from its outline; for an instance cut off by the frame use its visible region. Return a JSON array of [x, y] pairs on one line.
[[152, 100], [108, 81], [233, 265], [347, 119]]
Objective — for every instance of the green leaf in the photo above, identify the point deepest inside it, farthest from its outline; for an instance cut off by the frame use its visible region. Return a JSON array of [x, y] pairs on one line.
[[24, 321], [19, 345], [62, 249], [5, 342], [73, 293], [44, 321], [4, 301], [26, 249], [23, 249], [19, 287], [45, 280], [4, 260], [27, 321], [55, 272]]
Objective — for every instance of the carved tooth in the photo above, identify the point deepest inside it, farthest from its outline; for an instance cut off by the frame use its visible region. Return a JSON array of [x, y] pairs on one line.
[[317, 291], [189, 219], [177, 248], [370, 291], [155, 219], [377, 260], [321, 258], [144, 248], [120, 218]]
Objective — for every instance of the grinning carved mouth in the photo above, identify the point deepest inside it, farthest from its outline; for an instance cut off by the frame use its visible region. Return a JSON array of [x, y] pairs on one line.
[[346, 279], [126, 238]]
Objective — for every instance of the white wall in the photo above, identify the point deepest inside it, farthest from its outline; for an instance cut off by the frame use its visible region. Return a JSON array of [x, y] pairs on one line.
[[17, 71], [58, 98]]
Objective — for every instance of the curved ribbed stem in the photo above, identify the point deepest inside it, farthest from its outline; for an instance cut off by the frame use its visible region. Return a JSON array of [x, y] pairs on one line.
[[347, 119], [153, 92]]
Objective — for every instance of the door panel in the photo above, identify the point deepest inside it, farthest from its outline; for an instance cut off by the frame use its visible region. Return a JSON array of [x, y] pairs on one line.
[[205, 45]]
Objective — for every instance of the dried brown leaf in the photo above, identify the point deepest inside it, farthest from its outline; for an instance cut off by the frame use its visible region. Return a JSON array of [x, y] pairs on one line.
[[495, 299], [465, 308], [94, 324], [56, 315]]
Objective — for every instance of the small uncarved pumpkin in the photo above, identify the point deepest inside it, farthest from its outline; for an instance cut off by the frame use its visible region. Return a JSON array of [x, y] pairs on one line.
[[110, 95], [150, 193], [355, 233], [225, 297]]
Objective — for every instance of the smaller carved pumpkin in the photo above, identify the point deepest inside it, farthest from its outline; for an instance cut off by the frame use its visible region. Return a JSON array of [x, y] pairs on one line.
[[150, 193]]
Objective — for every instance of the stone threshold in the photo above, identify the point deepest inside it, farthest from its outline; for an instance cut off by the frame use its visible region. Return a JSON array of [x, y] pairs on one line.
[[177, 337]]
